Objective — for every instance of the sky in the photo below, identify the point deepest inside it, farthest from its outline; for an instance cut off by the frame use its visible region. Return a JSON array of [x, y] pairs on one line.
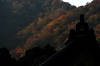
[[78, 3]]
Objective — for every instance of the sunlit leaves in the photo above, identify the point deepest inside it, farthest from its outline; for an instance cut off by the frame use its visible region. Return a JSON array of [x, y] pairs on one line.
[[52, 21]]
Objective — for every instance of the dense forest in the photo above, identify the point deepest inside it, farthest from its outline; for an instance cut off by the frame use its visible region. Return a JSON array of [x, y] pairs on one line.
[[32, 57], [30, 24]]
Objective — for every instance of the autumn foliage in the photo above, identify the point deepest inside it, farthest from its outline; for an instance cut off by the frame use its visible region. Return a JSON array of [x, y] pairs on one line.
[[25, 24]]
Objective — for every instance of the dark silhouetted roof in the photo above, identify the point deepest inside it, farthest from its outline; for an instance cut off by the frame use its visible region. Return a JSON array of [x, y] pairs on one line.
[[72, 49]]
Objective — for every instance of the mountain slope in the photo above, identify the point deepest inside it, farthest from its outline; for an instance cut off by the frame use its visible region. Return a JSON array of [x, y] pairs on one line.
[[46, 23], [16, 15], [55, 32]]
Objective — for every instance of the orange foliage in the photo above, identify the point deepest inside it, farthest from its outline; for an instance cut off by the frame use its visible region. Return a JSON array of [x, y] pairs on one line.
[[63, 18], [46, 32], [92, 17], [19, 50], [97, 28], [15, 3], [71, 26], [52, 23], [32, 40]]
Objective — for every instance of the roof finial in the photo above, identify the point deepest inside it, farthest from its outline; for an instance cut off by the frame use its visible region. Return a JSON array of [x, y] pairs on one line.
[[81, 18]]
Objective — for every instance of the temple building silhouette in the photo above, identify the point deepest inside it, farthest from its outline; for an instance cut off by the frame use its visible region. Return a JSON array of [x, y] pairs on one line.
[[81, 48]]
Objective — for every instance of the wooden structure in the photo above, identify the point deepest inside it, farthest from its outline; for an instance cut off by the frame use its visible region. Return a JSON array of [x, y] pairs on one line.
[[81, 49]]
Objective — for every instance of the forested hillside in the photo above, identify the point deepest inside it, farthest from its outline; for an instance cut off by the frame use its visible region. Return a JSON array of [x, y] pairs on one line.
[[25, 24], [16, 15]]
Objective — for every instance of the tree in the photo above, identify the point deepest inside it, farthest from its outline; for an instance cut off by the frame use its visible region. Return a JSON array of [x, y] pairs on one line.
[[6, 59], [36, 55]]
